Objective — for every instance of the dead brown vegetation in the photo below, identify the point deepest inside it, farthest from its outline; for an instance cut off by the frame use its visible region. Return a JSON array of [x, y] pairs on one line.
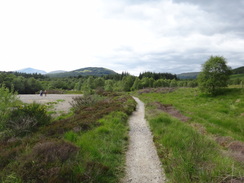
[[170, 110], [157, 90], [51, 151]]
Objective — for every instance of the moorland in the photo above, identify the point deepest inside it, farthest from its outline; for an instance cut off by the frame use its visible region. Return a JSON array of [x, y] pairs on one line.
[[199, 137]]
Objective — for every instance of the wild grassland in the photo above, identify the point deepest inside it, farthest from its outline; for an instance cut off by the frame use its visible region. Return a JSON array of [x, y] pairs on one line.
[[85, 147], [240, 76], [188, 150], [220, 115]]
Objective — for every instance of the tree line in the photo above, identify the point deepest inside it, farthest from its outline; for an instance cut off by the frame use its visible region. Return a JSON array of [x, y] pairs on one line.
[[32, 83], [215, 75]]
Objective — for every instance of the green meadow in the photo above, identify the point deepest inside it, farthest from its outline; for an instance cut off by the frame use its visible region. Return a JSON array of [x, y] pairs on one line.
[[198, 150]]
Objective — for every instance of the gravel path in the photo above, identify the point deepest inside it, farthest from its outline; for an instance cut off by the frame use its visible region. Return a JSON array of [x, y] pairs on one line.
[[142, 162], [62, 100]]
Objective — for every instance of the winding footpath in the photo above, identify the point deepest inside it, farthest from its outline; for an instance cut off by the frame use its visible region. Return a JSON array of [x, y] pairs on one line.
[[142, 162]]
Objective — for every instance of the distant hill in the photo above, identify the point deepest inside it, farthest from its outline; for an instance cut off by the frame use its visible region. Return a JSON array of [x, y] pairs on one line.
[[193, 75], [239, 70], [57, 72], [188, 75], [31, 71], [87, 71]]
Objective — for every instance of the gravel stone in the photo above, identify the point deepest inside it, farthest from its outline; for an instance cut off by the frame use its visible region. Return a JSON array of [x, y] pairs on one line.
[[142, 161]]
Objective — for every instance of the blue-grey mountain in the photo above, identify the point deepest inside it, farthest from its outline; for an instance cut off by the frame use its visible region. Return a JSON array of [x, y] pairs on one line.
[[30, 70]]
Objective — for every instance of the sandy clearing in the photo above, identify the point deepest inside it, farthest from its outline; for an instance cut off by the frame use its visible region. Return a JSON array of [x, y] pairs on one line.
[[142, 162], [62, 106]]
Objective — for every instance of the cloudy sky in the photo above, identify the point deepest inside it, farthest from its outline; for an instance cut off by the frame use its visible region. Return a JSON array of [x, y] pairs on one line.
[[173, 36]]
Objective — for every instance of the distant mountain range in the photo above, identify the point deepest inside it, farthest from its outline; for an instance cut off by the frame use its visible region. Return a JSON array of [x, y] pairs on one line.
[[87, 71], [31, 71], [95, 71], [57, 72], [99, 71]]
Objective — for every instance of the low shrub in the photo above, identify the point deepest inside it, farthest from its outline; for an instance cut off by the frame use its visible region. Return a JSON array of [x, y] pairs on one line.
[[46, 161], [27, 118], [84, 101], [52, 151], [8, 100], [98, 137]]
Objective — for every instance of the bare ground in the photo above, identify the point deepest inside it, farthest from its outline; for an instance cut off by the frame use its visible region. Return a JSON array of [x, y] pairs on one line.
[[142, 162], [61, 102]]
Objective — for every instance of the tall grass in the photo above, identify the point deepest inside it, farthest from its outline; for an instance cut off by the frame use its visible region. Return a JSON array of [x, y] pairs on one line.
[[186, 154], [221, 115], [102, 150]]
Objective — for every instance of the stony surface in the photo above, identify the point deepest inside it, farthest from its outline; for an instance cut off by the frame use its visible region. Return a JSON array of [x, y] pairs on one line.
[[142, 162]]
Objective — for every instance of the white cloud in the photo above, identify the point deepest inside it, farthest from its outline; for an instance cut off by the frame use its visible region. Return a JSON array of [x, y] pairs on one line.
[[155, 35]]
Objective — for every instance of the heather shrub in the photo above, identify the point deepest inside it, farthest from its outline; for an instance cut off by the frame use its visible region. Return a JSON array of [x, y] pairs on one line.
[[52, 151], [27, 118], [85, 101], [47, 162]]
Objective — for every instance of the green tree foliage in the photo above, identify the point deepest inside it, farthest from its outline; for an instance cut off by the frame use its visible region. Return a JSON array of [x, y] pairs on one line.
[[99, 83], [109, 85], [33, 83], [137, 84], [157, 76], [19, 84], [215, 74], [127, 82]]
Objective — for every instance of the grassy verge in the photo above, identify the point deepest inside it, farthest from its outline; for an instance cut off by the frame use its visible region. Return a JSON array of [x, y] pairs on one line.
[[101, 158], [188, 150], [86, 147]]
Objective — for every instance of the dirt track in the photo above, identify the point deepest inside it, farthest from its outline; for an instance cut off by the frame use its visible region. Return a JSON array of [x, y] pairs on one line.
[[142, 162], [61, 101]]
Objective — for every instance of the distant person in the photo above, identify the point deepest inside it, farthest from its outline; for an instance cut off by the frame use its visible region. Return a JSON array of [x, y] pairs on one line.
[[41, 92], [45, 92]]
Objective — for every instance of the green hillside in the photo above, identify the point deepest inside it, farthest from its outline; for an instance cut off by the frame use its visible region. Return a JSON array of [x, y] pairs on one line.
[[193, 75], [87, 71], [239, 70], [188, 75]]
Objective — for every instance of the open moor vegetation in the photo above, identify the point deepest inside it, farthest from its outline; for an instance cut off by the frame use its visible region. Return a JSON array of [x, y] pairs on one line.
[[199, 137], [88, 146]]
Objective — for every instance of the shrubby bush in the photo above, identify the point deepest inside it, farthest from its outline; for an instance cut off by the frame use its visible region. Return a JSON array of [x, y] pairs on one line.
[[27, 118], [84, 101], [8, 99]]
